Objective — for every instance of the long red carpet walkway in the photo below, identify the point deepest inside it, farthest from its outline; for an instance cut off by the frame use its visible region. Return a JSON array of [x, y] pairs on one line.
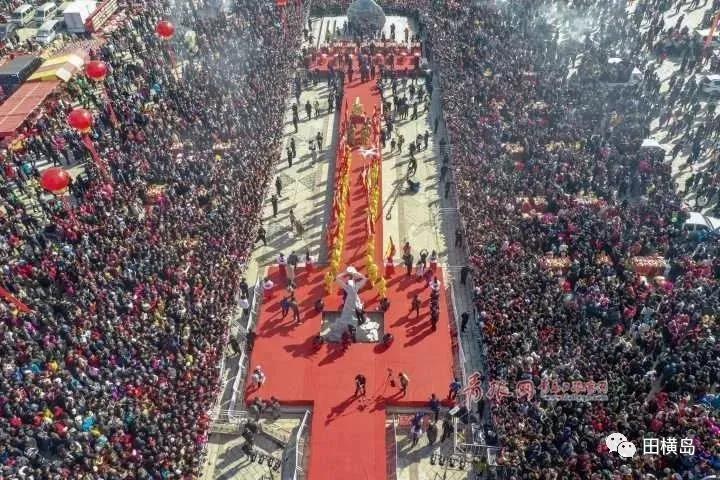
[[347, 439]]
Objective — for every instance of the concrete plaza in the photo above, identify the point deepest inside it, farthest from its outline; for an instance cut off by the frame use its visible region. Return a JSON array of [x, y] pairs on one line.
[[426, 219]]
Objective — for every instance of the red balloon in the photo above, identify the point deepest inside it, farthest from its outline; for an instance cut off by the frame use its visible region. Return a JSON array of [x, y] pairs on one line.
[[165, 29], [96, 70], [55, 179], [80, 119]]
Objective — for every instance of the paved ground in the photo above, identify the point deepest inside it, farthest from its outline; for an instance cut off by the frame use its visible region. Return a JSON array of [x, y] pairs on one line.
[[304, 188], [681, 171], [329, 28], [226, 460], [422, 461], [573, 26], [426, 219], [305, 191]]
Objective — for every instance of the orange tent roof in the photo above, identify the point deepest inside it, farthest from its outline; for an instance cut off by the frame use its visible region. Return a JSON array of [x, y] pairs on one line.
[[22, 103]]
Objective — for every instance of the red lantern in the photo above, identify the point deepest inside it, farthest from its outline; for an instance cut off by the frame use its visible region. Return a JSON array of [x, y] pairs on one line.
[[80, 119], [165, 30], [55, 180], [96, 70], [280, 3]]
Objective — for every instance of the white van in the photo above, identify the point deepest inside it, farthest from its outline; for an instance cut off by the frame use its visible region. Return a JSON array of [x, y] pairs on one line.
[[76, 14], [710, 84], [620, 69], [48, 31], [23, 15], [45, 12], [652, 146], [701, 223]]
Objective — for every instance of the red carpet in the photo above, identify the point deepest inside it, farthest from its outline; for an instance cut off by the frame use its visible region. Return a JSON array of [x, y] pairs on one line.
[[347, 438]]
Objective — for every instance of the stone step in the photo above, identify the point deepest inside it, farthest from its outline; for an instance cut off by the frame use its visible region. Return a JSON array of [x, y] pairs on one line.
[[224, 428], [280, 430]]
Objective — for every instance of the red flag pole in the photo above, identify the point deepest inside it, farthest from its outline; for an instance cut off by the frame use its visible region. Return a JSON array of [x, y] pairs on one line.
[[108, 102], [99, 162]]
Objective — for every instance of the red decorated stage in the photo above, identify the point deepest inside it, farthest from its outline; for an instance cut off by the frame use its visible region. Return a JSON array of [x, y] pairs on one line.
[[347, 436], [400, 56]]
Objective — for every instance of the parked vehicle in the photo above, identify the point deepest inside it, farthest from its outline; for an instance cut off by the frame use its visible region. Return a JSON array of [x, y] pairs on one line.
[[45, 12], [76, 14], [622, 73], [48, 31], [701, 223], [16, 71], [8, 34], [710, 84], [23, 15]]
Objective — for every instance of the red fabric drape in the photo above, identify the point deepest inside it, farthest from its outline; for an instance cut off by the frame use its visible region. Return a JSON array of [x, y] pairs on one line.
[[10, 298]]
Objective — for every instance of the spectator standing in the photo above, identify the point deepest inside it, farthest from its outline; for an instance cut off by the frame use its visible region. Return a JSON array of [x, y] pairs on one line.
[[295, 309], [292, 263], [448, 430], [404, 382], [434, 405], [408, 262], [432, 433], [455, 387], [258, 377], [415, 434], [415, 305], [285, 306], [464, 318], [360, 382], [274, 203]]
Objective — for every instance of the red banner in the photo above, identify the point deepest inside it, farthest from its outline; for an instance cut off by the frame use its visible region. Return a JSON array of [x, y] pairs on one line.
[[99, 162], [11, 299]]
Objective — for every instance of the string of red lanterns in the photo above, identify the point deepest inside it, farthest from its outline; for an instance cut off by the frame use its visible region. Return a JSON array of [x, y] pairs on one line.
[[82, 120]]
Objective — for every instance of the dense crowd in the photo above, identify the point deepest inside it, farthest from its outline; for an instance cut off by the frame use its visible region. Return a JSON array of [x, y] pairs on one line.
[[557, 198], [130, 282], [536, 129]]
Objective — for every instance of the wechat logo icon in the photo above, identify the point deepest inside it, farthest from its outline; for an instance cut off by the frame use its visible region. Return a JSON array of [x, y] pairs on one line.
[[617, 442]]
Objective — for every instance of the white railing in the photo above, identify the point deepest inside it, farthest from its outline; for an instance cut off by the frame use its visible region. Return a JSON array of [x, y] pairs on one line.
[[239, 380], [234, 417], [218, 399], [460, 351], [252, 310], [395, 448], [254, 305], [300, 447]]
